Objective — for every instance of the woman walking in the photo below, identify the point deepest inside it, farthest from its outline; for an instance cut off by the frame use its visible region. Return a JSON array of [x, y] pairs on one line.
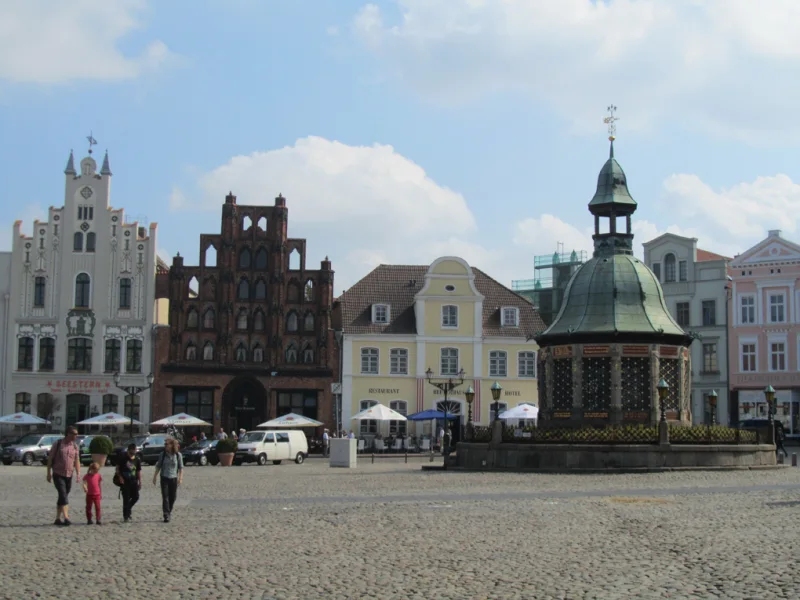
[[170, 465], [62, 461]]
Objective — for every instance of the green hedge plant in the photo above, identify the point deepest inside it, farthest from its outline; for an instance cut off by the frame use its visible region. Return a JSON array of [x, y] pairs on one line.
[[227, 446], [100, 444]]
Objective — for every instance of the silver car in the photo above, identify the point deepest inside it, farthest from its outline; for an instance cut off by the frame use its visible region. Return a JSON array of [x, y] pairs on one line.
[[31, 448]]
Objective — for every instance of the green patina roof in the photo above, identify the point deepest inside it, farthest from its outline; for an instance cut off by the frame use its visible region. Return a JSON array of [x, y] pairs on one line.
[[610, 296], [612, 187]]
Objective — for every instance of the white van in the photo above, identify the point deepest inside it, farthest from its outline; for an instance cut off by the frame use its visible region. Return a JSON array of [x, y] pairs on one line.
[[277, 446]]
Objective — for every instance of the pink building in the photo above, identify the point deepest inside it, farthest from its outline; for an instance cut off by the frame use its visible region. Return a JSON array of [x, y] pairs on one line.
[[765, 322]]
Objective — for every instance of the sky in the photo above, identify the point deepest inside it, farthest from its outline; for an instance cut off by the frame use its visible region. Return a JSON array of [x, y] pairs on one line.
[[404, 130]]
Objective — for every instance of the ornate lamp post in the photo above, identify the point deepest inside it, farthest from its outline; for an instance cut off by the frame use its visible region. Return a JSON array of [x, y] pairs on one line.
[[769, 396], [712, 402], [662, 388], [469, 395], [446, 386], [133, 390], [497, 389]]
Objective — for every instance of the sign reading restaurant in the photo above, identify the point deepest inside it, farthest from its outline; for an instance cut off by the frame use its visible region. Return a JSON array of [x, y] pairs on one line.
[[393, 391], [77, 385], [458, 392]]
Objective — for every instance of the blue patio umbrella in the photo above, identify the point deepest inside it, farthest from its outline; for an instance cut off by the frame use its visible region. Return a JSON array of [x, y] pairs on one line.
[[429, 415]]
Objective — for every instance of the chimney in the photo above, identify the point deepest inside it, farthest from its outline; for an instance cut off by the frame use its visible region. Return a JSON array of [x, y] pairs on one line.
[[230, 198], [774, 233]]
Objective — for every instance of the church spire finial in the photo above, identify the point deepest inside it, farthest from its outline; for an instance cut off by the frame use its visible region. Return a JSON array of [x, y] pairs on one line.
[[92, 141], [106, 169], [611, 121], [70, 170]]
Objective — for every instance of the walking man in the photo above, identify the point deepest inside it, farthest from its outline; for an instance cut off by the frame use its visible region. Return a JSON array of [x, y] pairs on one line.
[[129, 472], [326, 443], [63, 461]]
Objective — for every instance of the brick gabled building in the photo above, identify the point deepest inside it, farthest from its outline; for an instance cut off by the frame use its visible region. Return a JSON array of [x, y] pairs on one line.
[[249, 334]]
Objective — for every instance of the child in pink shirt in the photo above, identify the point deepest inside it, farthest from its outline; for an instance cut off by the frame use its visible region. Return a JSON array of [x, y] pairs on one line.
[[91, 485]]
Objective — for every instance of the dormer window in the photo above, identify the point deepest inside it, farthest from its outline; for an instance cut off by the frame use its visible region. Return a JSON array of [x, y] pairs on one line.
[[380, 314], [510, 316]]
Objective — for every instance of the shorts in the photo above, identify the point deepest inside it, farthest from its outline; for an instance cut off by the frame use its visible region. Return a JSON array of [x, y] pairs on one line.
[[63, 487]]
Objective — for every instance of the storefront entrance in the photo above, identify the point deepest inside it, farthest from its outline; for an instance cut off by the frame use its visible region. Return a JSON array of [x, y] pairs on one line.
[[244, 404], [77, 408]]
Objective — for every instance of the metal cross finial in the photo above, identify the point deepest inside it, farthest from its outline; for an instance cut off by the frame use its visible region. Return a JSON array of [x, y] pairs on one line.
[[92, 141], [611, 120]]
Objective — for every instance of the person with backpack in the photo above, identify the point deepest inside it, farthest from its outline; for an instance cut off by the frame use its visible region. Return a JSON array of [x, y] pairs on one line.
[[62, 460], [129, 479], [170, 465]]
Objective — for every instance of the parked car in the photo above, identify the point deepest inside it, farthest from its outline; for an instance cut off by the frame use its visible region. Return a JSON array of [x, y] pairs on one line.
[[30, 448], [84, 441], [201, 453], [277, 446], [12, 442], [148, 447]]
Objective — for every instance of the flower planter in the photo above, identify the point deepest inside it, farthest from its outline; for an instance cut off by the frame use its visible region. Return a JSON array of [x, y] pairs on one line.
[[100, 459], [226, 459]]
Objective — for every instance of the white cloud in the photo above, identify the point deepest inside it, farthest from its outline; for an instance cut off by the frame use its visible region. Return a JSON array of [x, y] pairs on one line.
[[695, 63], [50, 41], [27, 214], [177, 199]]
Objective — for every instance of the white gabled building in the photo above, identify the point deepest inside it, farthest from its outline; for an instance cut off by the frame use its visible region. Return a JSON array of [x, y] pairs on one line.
[[81, 306]]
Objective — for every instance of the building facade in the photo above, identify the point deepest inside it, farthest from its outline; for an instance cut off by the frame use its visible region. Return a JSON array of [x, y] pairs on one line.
[[399, 321], [765, 336], [81, 306], [5, 327], [249, 334], [696, 288]]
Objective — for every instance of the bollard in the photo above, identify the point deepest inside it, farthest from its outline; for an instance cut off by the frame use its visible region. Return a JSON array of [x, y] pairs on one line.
[[794, 459], [780, 459], [373, 458], [406, 456]]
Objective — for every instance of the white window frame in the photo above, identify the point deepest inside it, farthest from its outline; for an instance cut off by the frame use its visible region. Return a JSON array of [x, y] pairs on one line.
[[494, 369], [771, 342], [781, 306], [715, 357], [751, 309], [742, 344], [442, 358], [398, 427], [445, 317], [503, 322], [378, 307], [366, 352], [368, 426], [520, 372], [683, 270], [396, 355], [674, 263]]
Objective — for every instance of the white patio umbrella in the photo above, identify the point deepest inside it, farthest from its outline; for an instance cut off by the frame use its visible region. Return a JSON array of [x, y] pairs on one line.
[[181, 420], [378, 412], [109, 419], [291, 420], [23, 418], [521, 411]]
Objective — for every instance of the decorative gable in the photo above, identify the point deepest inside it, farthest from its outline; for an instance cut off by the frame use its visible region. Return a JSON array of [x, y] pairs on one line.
[[772, 249]]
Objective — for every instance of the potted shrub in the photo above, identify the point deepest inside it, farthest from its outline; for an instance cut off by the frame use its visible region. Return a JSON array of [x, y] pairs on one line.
[[225, 450], [100, 447]]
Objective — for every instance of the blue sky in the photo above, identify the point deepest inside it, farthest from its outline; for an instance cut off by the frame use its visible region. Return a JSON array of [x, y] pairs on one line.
[[402, 130]]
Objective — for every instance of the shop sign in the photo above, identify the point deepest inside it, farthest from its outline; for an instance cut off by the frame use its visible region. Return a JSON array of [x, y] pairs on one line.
[[392, 391], [562, 351], [596, 350], [636, 350], [78, 385]]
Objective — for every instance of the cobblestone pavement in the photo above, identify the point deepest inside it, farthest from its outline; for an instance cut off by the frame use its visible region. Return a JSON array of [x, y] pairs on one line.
[[389, 530]]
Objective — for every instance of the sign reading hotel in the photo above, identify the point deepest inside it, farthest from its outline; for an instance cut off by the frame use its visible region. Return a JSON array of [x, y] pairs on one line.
[[78, 385]]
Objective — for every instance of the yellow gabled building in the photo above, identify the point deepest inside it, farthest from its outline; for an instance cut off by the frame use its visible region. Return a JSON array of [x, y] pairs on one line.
[[401, 320]]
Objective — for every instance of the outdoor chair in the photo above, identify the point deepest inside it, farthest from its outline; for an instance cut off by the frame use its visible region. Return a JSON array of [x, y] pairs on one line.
[[361, 445], [379, 446], [398, 445], [426, 446]]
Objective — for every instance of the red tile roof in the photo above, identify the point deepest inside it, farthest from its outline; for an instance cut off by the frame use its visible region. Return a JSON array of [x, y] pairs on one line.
[[704, 255], [396, 285]]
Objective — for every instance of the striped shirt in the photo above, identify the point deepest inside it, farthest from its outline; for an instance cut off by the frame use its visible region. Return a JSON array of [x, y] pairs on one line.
[[170, 464], [64, 455]]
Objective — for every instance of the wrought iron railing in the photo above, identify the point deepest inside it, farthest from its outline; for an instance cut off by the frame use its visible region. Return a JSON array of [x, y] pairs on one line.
[[479, 434], [629, 434]]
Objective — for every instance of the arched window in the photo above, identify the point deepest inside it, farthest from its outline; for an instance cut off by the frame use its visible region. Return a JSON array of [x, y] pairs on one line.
[[47, 354], [258, 321], [308, 294], [241, 319], [23, 402], [241, 352], [261, 259], [109, 403], [669, 267], [308, 322], [82, 289], [244, 258], [208, 319], [293, 292], [258, 354], [77, 241], [192, 319], [244, 289], [191, 351], [291, 353], [133, 356], [25, 354], [112, 357], [208, 351], [261, 290], [291, 321], [307, 354], [91, 240]]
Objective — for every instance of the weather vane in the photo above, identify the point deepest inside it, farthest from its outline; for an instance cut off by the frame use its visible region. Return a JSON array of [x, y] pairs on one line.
[[611, 121], [92, 141]]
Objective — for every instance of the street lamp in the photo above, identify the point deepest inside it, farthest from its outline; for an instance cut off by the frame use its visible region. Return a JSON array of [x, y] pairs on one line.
[[769, 396], [662, 388], [712, 401], [497, 389], [445, 386], [469, 394], [133, 390]]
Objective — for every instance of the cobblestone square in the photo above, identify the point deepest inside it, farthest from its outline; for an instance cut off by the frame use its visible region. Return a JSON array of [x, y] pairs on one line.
[[389, 530]]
